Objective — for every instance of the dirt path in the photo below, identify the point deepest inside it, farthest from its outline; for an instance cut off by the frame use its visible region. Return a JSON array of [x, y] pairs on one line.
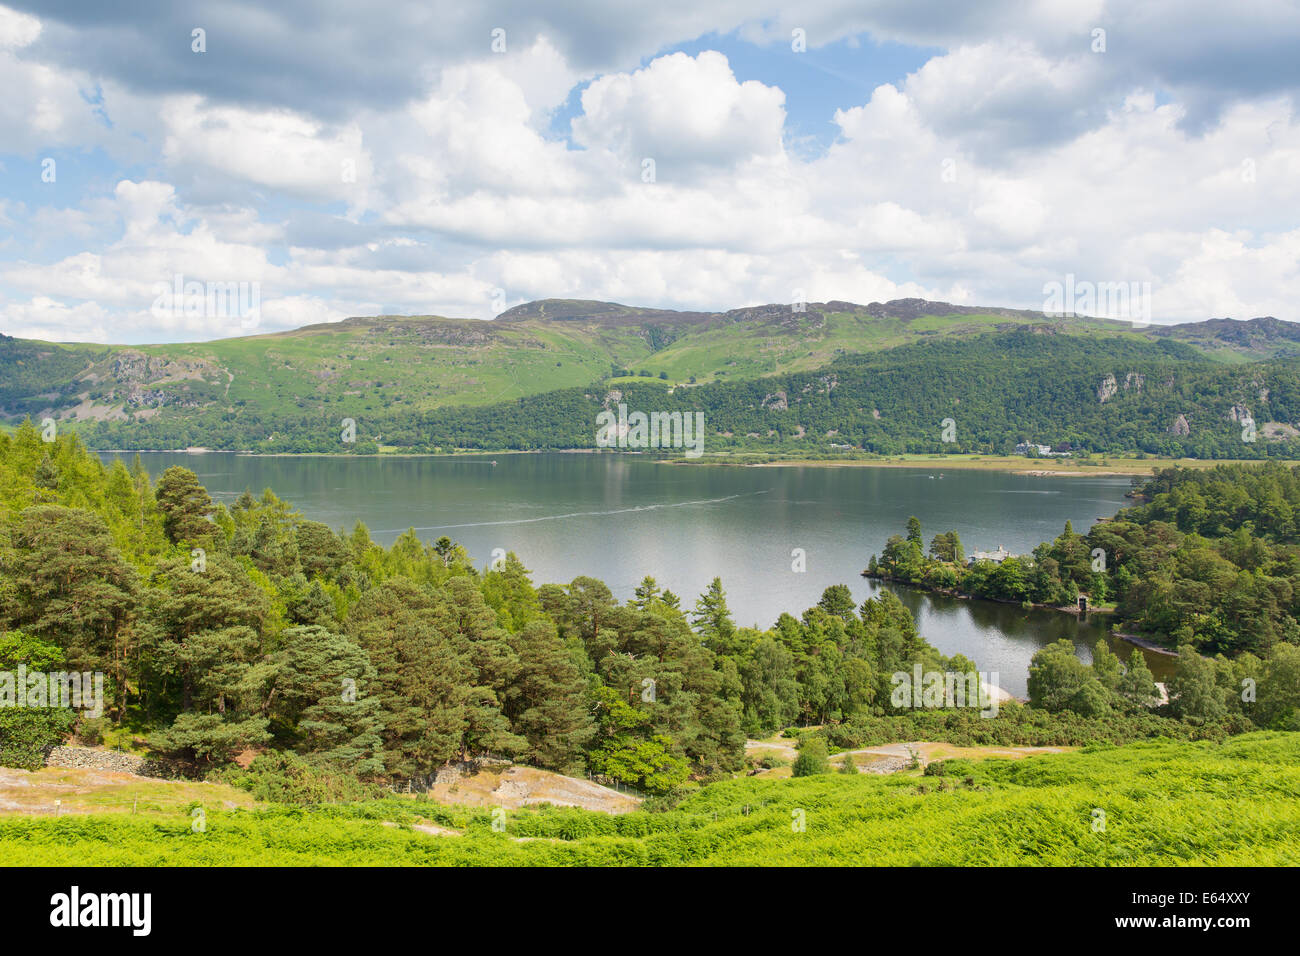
[[516, 787], [62, 790], [889, 758]]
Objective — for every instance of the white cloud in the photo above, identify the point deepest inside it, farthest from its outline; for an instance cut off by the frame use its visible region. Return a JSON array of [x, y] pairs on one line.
[[682, 112], [1012, 158], [46, 318], [17, 30], [273, 148]]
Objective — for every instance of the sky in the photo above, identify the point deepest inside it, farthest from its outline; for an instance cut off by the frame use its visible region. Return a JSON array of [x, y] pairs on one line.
[[336, 159]]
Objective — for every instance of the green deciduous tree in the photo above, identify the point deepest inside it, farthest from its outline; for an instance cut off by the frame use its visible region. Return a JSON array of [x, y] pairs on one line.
[[26, 732], [1194, 693]]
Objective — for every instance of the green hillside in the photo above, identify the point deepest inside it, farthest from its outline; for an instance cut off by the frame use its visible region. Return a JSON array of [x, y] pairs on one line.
[[430, 383], [1146, 804], [425, 362], [1088, 393]]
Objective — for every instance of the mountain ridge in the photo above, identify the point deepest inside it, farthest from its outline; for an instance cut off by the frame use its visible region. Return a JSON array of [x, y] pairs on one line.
[[382, 366]]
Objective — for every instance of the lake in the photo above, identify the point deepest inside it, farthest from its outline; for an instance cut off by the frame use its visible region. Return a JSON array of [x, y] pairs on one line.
[[619, 517]]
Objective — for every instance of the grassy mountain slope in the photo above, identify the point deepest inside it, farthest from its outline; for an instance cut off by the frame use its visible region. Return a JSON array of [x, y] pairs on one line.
[[1164, 803], [1232, 341], [423, 362], [1107, 395], [410, 362], [1119, 395], [428, 382]]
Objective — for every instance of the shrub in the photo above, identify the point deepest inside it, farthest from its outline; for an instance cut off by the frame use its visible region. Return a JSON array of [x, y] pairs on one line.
[[282, 777], [954, 767], [28, 733], [90, 732], [812, 759]]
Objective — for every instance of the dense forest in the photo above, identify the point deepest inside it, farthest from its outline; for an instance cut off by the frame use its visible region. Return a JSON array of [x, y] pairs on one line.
[[1208, 562], [223, 629], [1086, 394], [248, 629]]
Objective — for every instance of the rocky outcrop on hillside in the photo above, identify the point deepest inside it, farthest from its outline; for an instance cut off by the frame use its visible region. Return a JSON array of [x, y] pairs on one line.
[[599, 313], [915, 308], [466, 333], [1110, 385], [1263, 336], [129, 367], [784, 314]]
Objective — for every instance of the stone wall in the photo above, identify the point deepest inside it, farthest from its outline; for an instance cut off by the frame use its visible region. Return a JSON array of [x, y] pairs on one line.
[[86, 758]]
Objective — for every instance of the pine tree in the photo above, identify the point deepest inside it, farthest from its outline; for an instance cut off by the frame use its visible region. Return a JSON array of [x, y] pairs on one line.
[[47, 479], [326, 701], [71, 586], [647, 593], [712, 618], [546, 700], [185, 505], [202, 636], [485, 646], [914, 530], [422, 677]]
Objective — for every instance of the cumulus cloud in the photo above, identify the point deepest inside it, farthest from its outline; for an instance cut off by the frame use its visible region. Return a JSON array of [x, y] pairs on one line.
[[683, 112], [352, 164], [42, 317], [17, 29], [273, 148]]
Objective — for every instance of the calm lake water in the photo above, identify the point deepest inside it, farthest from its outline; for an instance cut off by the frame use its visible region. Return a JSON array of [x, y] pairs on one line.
[[621, 517]]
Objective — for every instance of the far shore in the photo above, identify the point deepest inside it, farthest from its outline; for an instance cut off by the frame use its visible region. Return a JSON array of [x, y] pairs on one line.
[[1033, 467], [1103, 467]]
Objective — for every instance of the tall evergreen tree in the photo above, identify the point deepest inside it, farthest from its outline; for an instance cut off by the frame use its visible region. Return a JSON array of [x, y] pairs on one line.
[[546, 700], [325, 699], [712, 617], [185, 505], [422, 676]]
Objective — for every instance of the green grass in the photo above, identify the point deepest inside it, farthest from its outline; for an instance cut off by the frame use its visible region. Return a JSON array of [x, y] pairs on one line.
[[411, 363], [417, 363], [1233, 803], [287, 391]]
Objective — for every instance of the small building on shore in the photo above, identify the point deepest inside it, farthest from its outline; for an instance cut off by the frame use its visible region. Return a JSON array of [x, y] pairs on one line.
[[1025, 447], [997, 557], [1044, 451]]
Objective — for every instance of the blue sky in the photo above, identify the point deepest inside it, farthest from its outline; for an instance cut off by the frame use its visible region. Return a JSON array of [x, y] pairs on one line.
[[347, 164], [837, 76]]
